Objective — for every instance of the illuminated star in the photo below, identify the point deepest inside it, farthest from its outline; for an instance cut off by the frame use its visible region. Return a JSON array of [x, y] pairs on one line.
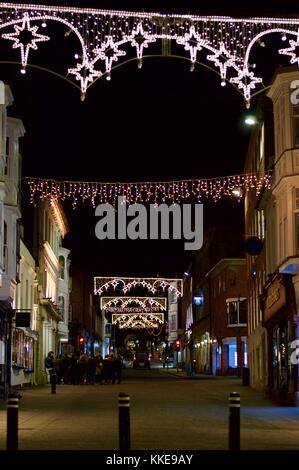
[[32, 38], [222, 52], [292, 51], [85, 73], [246, 81], [108, 52], [141, 39], [192, 42]]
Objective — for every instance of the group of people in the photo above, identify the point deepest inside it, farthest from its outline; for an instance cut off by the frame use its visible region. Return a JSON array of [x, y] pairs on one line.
[[80, 369]]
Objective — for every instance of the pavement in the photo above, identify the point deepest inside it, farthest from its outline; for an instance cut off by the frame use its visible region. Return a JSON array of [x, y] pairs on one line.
[[168, 411]]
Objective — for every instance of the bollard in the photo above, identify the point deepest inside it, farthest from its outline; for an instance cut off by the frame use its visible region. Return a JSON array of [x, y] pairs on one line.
[[12, 422], [53, 382], [234, 422], [124, 421]]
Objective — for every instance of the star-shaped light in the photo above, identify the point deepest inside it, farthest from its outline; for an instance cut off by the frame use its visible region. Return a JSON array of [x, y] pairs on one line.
[[292, 51], [34, 38], [222, 52], [246, 81], [85, 73], [192, 42], [140, 39], [108, 52]]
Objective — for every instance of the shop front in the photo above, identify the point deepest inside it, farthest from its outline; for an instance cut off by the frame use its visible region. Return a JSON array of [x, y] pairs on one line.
[[22, 357], [280, 320]]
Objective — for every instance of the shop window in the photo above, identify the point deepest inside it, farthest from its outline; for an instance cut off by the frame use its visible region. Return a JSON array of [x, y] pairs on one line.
[[28, 354], [18, 348], [236, 311], [232, 354]]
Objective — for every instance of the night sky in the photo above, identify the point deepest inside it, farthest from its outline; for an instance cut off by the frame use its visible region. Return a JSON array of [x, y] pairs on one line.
[[158, 123]]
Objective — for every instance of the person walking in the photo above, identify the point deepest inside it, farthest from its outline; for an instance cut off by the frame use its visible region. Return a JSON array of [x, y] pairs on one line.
[[49, 365]]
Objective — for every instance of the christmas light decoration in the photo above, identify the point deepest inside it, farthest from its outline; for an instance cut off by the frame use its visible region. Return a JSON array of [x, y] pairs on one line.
[[108, 52], [246, 81], [172, 192], [292, 51], [126, 284], [140, 39], [223, 65], [16, 37], [192, 42], [133, 304], [226, 41], [85, 73], [138, 321]]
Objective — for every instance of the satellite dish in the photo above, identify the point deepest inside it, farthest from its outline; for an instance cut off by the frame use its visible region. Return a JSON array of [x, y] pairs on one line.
[[253, 246]]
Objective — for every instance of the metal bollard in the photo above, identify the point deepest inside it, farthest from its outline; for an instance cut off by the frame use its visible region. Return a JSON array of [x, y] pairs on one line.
[[234, 422], [12, 422], [53, 382], [124, 421]]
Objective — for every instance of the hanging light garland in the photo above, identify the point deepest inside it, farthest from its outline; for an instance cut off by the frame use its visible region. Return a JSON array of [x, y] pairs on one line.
[[133, 304], [171, 192], [126, 284], [138, 321], [103, 36]]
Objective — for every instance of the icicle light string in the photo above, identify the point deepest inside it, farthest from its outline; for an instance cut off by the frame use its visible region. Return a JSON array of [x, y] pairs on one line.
[[170, 192]]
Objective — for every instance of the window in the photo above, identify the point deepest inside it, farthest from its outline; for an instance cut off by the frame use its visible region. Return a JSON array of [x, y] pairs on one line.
[[236, 311], [61, 304], [62, 267], [6, 169], [5, 247], [296, 126], [232, 355]]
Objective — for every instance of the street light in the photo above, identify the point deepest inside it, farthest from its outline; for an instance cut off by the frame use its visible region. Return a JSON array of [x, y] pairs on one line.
[[250, 120]]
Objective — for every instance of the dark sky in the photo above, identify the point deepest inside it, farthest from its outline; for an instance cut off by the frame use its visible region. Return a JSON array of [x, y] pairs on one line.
[[158, 123]]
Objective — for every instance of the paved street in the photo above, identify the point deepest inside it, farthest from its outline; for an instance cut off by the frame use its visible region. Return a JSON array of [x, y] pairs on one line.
[[168, 412]]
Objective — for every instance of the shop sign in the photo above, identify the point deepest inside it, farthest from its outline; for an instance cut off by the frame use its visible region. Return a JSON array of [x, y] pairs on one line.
[[275, 299]]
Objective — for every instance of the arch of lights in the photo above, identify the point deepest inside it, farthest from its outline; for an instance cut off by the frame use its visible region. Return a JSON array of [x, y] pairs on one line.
[[104, 36], [135, 312], [126, 284], [138, 321], [133, 304]]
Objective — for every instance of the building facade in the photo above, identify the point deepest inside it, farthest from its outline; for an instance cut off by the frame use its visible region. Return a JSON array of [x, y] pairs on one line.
[[271, 216], [24, 334], [50, 227], [11, 130], [228, 316], [281, 293]]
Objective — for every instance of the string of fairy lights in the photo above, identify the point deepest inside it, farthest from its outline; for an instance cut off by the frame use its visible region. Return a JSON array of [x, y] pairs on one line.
[[172, 192], [104, 36]]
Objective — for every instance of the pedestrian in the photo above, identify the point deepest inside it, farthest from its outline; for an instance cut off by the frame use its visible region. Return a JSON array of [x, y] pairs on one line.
[[118, 363], [99, 369], [90, 370], [49, 365]]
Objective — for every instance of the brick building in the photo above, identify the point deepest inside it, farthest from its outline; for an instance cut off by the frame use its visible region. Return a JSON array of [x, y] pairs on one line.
[[228, 304]]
